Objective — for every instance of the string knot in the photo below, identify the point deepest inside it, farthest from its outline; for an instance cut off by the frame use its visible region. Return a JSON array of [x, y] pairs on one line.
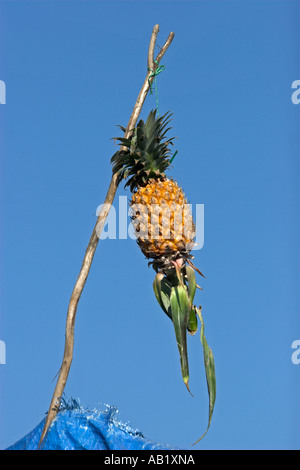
[[154, 74]]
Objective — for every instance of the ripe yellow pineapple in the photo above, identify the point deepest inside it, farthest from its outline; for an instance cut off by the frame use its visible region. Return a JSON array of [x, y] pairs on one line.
[[165, 233], [161, 216], [163, 223]]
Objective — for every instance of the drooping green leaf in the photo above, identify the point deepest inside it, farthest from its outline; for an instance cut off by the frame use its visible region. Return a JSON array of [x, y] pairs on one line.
[[180, 309], [192, 325], [157, 290], [192, 285], [209, 364], [162, 290], [165, 295]]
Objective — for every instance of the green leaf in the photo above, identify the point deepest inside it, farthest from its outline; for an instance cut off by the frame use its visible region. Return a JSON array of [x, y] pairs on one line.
[[162, 292], [121, 127], [180, 309], [192, 285], [209, 364], [165, 294], [192, 326]]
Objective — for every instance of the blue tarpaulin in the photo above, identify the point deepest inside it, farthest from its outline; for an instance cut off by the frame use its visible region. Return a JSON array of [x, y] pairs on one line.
[[78, 428]]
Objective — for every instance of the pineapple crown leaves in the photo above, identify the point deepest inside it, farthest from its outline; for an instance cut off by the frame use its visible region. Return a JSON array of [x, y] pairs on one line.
[[146, 152]]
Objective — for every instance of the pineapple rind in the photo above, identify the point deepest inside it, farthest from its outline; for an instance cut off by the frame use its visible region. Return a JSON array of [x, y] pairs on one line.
[[142, 161], [162, 218]]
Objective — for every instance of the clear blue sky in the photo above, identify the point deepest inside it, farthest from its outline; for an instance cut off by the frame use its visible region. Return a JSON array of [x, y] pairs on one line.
[[72, 71]]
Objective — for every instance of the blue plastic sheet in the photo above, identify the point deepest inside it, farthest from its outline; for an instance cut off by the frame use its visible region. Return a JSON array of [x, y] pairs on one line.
[[78, 428]]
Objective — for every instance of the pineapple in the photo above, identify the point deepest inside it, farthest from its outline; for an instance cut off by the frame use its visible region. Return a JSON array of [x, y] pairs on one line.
[[165, 233], [163, 223], [161, 216]]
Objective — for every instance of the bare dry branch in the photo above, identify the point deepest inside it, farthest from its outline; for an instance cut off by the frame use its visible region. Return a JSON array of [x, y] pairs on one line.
[[91, 248], [165, 47], [151, 47]]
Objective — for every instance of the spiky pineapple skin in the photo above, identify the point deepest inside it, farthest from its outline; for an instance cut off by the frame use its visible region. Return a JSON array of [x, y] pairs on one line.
[[162, 219]]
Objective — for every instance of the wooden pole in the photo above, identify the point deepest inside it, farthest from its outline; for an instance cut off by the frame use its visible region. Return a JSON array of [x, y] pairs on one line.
[[91, 248]]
